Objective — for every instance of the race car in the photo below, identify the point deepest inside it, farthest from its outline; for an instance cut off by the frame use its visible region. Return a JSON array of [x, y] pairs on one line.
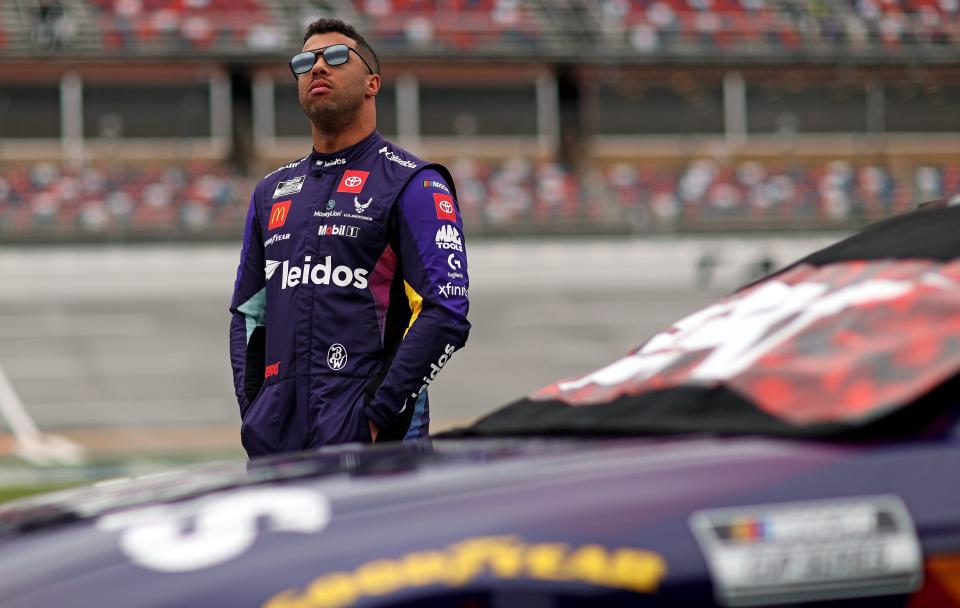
[[796, 443]]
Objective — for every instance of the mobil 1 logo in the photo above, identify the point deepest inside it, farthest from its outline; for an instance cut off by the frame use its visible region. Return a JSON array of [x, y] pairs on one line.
[[339, 230]]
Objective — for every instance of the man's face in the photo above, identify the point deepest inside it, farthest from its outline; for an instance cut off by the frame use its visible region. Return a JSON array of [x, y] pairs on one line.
[[332, 95]]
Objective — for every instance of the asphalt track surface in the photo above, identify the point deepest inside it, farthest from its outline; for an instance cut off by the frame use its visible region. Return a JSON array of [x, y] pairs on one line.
[[95, 339]]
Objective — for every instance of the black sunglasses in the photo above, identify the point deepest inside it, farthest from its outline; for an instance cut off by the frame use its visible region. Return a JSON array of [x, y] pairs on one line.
[[335, 54]]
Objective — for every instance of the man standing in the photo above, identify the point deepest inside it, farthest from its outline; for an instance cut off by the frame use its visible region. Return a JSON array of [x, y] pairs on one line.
[[351, 293]]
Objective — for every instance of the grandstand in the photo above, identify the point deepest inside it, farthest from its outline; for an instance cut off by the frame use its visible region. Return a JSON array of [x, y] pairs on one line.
[[153, 118]]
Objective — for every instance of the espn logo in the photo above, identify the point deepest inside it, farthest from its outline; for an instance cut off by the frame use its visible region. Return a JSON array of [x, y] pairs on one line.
[[278, 214]]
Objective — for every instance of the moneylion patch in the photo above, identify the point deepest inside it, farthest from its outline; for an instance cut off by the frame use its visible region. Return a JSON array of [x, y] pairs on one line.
[[810, 551]]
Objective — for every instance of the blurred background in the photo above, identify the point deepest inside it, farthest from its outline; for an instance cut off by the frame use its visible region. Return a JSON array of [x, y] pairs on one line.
[[619, 163]]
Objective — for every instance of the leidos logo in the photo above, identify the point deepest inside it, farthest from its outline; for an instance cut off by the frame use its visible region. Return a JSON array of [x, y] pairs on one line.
[[278, 214], [270, 268], [323, 273], [448, 237], [435, 368], [331, 163]]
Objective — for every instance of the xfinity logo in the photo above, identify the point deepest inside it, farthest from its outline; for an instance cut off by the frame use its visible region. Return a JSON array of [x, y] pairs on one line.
[[396, 159], [323, 273], [448, 237], [288, 187], [339, 230], [331, 163], [435, 369], [451, 290]]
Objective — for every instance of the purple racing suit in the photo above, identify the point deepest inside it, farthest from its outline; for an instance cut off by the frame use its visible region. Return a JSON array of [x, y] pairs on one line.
[[351, 295]]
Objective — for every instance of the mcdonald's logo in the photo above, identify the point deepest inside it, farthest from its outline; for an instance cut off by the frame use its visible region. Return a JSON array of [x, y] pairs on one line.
[[278, 214]]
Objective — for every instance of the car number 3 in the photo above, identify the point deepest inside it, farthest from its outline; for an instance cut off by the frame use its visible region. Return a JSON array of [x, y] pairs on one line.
[[204, 532]]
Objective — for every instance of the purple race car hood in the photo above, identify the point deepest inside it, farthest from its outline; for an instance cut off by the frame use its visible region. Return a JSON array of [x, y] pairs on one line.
[[269, 532]]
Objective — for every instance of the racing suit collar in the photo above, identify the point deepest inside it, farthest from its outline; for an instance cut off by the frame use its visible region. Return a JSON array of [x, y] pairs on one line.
[[336, 162]]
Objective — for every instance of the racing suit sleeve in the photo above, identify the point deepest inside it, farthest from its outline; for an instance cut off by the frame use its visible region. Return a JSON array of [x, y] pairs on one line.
[[248, 308], [428, 235]]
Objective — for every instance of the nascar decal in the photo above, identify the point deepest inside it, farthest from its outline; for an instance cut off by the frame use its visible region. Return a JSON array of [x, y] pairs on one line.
[[207, 531], [841, 342], [501, 557], [437, 185], [811, 550]]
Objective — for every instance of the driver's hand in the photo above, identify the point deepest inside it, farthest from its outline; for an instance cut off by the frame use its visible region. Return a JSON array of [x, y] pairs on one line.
[[373, 430]]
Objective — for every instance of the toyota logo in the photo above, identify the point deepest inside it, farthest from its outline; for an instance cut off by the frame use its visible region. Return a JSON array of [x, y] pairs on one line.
[[446, 206], [353, 181]]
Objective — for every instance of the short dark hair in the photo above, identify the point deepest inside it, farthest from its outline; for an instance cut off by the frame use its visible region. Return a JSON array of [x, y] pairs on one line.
[[325, 26]]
